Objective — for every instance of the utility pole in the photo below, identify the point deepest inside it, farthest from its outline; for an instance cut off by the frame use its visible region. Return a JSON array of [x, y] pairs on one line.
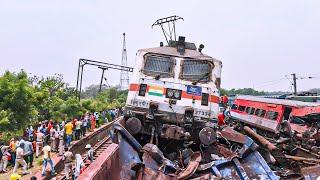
[[294, 78], [124, 75]]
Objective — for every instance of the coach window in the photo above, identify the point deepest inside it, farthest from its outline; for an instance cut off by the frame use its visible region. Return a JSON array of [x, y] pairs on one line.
[[257, 112], [158, 66], [252, 111], [272, 115], [262, 113], [241, 108], [275, 116], [248, 109], [234, 107]]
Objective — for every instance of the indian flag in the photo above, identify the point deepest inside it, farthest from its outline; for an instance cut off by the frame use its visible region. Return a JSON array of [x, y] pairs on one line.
[[156, 91]]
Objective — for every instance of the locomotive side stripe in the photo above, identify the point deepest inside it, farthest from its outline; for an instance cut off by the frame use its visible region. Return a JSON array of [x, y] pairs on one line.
[[134, 87], [213, 98], [155, 94]]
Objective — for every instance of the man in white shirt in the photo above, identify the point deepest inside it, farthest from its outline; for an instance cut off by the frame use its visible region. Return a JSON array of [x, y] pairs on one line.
[[39, 142], [78, 129], [53, 139], [67, 159], [4, 159], [47, 159], [20, 160], [61, 142]]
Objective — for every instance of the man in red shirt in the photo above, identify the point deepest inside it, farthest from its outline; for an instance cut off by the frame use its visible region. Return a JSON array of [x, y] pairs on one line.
[[50, 125], [221, 119], [225, 100]]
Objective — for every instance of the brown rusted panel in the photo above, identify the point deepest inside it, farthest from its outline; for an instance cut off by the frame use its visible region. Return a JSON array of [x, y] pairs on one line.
[[225, 152], [260, 139], [205, 177], [192, 166], [232, 135], [145, 173], [311, 173], [105, 167], [298, 158]]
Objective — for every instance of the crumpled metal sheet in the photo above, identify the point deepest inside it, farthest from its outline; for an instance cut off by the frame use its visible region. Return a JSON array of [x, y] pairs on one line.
[[192, 166], [146, 173], [262, 123], [311, 173], [251, 167]]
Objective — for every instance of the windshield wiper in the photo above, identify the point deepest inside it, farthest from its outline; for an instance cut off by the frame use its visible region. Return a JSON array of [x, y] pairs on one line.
[[205, 75], [158, 76]]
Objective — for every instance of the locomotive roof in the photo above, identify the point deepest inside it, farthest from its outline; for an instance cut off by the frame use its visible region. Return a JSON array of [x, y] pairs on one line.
[[172, 51], [278, 101]]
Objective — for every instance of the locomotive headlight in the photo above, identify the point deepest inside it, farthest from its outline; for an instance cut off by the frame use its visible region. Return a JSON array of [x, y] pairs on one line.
[[177, 94], [170, 93], [173, 94]]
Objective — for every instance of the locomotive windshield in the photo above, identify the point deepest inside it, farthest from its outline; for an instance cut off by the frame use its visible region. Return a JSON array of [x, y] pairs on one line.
[[196, 70], [159, 65]]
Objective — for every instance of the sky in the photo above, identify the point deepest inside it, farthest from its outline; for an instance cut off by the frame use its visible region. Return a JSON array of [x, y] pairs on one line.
[[260, 43]]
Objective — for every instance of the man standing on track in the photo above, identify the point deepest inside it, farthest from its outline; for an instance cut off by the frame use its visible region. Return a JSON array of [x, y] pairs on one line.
[[52, 133], [67, 159], [90, 152], [39, 142], [28, 153], [47, 159], [61, 141], [20, 160], [68, 127], [84, 125], [78, 129], [4, 157]]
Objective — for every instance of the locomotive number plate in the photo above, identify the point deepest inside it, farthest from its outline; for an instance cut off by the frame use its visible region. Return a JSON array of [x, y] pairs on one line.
[[201, 113], [140, 103]]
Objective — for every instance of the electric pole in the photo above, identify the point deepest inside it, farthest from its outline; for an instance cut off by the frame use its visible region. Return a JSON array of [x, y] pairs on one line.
[[124, 75], [294, 78]]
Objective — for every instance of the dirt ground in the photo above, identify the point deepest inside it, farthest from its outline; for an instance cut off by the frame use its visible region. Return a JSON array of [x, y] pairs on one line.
[[37, 166]]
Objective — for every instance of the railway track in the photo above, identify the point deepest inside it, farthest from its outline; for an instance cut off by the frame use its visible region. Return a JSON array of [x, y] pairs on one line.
[[98, 148]]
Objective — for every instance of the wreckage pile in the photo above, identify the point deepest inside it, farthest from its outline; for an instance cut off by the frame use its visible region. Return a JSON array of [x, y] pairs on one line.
[[226, 154], [221, 153]]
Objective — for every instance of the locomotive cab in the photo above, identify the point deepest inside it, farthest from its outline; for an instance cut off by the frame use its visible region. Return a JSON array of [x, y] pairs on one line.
[[174, 91]]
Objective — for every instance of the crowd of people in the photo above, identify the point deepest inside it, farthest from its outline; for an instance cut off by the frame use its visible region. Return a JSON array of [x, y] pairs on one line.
[[51, 137]]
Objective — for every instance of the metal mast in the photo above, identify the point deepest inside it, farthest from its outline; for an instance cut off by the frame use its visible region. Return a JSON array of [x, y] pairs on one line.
[[294, 78], [124, 75]]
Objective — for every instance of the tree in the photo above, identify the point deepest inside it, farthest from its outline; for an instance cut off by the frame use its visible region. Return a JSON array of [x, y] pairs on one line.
[[16, 100], [242, 91], [27, 100]]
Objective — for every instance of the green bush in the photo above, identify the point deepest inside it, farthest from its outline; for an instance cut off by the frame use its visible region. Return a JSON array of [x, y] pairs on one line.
[[25, 101]]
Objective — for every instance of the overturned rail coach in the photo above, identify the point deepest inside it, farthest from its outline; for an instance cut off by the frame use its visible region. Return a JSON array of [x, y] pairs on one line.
[[279, 115], [174, 91]]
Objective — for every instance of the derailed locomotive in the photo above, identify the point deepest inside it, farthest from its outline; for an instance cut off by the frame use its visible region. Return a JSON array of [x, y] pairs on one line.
[[174, 93], [167, 132]]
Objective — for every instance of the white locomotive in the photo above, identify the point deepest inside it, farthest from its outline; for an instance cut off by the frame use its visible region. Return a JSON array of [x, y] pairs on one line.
[[173, 92]]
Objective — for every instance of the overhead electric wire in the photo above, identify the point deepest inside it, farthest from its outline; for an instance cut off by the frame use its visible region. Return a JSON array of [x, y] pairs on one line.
[[269, 83]]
